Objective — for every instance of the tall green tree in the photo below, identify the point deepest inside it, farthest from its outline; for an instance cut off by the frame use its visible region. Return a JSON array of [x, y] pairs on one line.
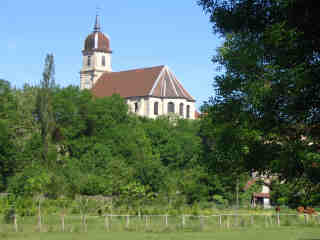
[[44, 111], [7, 141], [271, 65]]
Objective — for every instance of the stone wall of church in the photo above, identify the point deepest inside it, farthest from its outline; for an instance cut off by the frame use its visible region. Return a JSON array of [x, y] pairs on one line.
[[96, 62], [89, 74], [145, 106]]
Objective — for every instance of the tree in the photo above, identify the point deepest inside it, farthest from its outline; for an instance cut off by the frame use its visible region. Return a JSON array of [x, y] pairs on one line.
[[7, 143], [44, 112], [272, 65]]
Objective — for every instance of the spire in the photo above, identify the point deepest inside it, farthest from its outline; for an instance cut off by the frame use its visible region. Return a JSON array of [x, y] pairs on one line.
[[97, 23]]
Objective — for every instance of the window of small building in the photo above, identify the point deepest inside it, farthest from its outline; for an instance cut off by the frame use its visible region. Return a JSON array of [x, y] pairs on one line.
[[181, 109], [103, 61], [136, 107], [89, 61], [156, 108], [188, 111], [170, 107]]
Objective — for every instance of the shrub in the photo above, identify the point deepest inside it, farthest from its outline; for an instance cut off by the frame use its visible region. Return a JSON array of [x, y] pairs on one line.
[[9, 215]]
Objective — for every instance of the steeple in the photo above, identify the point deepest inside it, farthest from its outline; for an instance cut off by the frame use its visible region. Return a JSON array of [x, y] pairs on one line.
[[96, 56], [97, 24]]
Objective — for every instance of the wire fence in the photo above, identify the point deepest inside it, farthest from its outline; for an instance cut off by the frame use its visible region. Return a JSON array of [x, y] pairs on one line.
[[85, 223]]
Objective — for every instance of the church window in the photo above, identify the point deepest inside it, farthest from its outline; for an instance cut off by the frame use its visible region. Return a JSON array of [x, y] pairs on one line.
[[103, 60], [181, 109], [170, 107], [89, 61], [136, 108], [155, 108], [188, 111]]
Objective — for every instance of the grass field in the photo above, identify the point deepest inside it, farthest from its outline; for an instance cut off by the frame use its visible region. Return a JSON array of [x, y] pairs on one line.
[[239, 227], [281, 233]]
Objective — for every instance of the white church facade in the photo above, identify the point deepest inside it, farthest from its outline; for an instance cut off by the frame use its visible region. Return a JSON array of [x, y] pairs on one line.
[[149, 92]]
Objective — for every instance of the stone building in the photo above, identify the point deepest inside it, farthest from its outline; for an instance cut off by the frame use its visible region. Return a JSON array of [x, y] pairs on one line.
[[149, 92]]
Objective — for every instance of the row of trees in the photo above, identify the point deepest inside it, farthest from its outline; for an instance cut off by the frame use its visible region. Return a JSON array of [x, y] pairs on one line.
[[63, 141]]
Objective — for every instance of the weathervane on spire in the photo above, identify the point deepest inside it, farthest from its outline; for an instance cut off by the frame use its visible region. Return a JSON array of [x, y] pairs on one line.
[[97, 22]]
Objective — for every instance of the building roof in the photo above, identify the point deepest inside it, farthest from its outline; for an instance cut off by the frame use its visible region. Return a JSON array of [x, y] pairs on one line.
[[156, 81], [97, 41], [197, 115], [261, 195]]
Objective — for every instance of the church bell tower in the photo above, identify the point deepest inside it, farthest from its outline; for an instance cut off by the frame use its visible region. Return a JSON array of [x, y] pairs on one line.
[[96, 57]]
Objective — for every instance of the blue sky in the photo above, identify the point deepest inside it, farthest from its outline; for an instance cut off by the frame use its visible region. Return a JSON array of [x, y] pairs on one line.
[[142, 34]]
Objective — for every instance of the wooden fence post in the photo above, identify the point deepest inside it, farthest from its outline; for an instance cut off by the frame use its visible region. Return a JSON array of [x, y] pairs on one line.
[[146, 220], [201, 222], [85, 224], [183, 221], [106, 222], [252, 219], [127, 221], [220, 220], [265, 221], [39, 223], [15, 221], [62, 222], [228, 223], [166, 220]]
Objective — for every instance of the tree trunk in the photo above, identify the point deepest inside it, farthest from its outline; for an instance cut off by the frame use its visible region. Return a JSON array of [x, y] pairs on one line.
[[39, 216], [237, 193]]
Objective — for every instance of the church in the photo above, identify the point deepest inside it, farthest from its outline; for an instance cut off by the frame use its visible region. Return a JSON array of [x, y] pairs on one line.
[[149, 92]]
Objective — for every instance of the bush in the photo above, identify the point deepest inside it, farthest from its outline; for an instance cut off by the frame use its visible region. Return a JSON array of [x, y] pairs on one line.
[[9, 215]]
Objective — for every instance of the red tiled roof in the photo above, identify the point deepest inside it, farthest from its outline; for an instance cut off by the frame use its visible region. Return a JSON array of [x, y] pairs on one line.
[[261, 195], [249, 183], [97, 41], [197, 114], [154, 81]]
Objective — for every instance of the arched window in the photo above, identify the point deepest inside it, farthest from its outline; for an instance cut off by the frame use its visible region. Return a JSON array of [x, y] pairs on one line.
[[103, 61], [188, 111], [170, 107], [136, 108], [89, 61], [181, 109], [155, 108]]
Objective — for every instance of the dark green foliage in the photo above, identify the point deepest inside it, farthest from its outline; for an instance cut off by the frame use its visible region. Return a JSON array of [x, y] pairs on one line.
[[72, 143], [43, 109], [8, 216], [268, 95]]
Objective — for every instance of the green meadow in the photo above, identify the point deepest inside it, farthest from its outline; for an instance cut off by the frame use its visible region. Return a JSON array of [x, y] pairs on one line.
[[282, 233]]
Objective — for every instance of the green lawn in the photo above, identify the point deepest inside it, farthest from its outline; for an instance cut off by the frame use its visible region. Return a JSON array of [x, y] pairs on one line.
[[289, 233]]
